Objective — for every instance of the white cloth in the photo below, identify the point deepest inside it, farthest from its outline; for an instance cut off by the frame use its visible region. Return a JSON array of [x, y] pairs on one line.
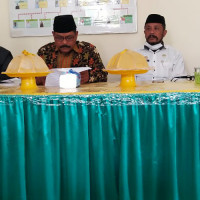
[[167, 63]]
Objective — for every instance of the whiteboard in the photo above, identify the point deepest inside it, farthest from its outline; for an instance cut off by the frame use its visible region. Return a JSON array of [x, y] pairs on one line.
[[35, 17]]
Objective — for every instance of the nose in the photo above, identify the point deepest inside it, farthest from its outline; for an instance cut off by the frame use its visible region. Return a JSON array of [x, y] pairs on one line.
[[64, 41], [151, 30]]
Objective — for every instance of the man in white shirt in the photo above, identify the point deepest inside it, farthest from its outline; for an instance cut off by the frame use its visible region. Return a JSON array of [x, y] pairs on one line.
[[166, 62]]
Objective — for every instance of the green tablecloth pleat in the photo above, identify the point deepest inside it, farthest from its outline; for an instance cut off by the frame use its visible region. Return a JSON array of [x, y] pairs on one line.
[[100, 147]]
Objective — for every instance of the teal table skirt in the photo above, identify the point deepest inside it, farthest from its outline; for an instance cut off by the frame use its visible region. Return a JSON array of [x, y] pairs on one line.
[[100, 147]]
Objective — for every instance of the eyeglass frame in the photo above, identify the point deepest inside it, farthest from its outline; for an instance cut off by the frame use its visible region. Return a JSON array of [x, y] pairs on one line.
[[189, 78], [60, 38]]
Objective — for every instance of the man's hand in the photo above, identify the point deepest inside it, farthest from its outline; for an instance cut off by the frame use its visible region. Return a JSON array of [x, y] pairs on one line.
[[84, 77], [40, 80]]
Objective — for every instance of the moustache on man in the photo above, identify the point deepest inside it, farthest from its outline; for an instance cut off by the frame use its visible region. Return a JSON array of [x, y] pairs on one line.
[[65, 46], [152, 36]]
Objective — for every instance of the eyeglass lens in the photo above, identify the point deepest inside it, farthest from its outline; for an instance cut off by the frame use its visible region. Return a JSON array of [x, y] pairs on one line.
[[67, 38]]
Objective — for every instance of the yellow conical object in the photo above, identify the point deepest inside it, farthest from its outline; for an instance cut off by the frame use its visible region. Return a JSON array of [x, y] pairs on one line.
[[128, 60], [127, 63], [27, 66], [27, 63]]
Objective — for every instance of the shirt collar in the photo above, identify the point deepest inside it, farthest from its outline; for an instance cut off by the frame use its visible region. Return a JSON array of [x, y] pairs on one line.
[[76, 48]]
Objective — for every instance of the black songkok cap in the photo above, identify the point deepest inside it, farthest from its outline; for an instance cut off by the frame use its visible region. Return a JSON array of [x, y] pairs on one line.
[[64, 24], [155, 18]]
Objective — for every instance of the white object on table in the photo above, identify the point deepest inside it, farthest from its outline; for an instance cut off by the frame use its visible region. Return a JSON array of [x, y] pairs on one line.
[[53, 79]]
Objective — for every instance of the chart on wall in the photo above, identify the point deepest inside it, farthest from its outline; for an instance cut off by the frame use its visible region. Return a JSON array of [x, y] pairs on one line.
[[35, 17]]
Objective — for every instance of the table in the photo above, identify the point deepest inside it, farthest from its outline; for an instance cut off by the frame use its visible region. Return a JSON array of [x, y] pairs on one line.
[[100, 142]]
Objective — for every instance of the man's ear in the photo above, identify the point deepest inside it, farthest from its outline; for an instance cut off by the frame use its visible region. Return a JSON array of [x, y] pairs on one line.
[[53, 33], [164, 33], [76, 34]]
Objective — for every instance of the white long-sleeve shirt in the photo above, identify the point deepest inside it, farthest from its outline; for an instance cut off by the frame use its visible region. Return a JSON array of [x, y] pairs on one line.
[[166, 62]]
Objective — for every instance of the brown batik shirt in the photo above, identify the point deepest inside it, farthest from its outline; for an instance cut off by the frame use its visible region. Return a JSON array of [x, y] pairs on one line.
[[83, 55]]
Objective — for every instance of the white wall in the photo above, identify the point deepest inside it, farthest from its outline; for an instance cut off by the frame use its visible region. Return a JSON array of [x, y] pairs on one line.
[[183, 25]]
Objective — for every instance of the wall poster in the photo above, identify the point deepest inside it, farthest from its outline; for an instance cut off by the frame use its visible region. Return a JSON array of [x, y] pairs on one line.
[[35, 17]]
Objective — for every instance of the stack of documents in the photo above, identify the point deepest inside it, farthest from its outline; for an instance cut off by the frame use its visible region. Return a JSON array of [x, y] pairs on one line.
[[63, 78]]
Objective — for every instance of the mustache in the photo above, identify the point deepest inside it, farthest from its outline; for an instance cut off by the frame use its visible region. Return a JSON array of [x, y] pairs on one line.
[[152, 36], [65, 46]]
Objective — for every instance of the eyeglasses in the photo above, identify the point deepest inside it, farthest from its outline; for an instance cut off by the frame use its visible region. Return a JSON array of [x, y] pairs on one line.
[[189, 78], [59, 38]]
